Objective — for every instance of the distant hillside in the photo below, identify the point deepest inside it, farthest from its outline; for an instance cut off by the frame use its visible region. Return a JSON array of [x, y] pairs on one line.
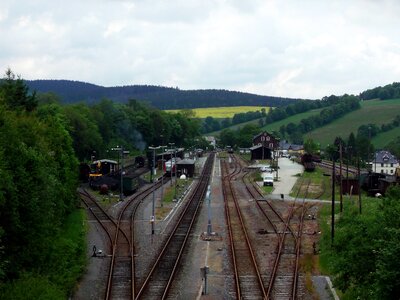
[[157, 96], [373, 111]]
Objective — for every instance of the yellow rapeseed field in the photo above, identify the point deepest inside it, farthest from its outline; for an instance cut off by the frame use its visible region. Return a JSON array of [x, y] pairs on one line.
[[221, 112]]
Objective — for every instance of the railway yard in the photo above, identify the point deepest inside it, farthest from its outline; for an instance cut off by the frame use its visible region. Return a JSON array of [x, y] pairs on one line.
[[247, 244]]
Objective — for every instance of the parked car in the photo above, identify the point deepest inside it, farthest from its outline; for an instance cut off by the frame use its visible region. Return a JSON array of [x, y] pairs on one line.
[[266, 168]]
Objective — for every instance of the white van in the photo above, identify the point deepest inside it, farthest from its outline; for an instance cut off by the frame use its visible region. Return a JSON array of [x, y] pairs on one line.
[[268, 179]]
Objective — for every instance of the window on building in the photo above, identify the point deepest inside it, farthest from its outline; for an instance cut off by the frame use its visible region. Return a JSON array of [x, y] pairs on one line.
[[391, 171], [381, 171], [391, 165], [381, 164]]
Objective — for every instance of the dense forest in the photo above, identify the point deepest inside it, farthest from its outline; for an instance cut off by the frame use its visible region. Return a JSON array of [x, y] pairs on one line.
[[42, 244], [157, 96]]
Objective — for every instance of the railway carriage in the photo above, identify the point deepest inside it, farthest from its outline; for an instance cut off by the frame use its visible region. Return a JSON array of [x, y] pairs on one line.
[[170, 166]]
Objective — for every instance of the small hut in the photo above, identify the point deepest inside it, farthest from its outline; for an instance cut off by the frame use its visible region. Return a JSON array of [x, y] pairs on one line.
[[186, 166]]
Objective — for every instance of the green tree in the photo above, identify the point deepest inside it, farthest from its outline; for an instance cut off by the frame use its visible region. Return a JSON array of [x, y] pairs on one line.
[[310, 146], [15, 93]]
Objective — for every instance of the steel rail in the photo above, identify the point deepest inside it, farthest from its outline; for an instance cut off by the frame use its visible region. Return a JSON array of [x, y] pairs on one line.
[[135, 202], [228, 191], [84, 193], [167, 261], [281, 243]]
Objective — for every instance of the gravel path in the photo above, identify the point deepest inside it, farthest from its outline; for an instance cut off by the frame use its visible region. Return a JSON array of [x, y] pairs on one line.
[[287, 179]]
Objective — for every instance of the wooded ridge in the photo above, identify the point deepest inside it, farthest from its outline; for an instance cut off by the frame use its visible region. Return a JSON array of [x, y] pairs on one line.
[[158, 96]]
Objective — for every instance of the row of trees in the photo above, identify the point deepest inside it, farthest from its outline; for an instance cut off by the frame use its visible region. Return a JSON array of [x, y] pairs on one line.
[[134, 125], [360, 145], [242, 138], [390, 91], [211, 124], [298, 107], [343, 105]]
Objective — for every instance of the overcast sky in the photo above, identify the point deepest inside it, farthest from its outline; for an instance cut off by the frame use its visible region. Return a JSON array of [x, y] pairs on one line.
[[287, 48]]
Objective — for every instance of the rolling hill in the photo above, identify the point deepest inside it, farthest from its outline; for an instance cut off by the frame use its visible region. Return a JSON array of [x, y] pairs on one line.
[[372, 111], [157, 96]]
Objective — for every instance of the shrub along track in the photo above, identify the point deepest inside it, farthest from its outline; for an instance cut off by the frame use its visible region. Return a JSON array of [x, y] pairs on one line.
[[248, 280], [158, 282]]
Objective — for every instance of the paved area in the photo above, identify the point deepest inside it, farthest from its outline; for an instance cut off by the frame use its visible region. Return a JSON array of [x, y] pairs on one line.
[[324, 288], [286, 176]]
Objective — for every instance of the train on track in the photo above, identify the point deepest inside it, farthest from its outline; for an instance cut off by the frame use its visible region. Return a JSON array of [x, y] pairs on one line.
[[309, 160], [170, 166], [167, 155]]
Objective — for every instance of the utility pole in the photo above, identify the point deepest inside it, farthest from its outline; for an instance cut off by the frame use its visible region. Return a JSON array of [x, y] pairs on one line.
[[369, 143], [122, 152], [359, 184], [341, 192], [176, 172], [333, 202], [162, 174], [208, 198], [170, 150], [277, 166], [153, 219]]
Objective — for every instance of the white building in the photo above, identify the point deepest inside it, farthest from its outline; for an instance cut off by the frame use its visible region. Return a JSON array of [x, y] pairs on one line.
[[211, 140], [384, 162]]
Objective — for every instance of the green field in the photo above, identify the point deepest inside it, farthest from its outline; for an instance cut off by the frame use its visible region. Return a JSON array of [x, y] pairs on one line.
[[292, 119], [233, 127], [221, 112], [381, 140], [372, 111]]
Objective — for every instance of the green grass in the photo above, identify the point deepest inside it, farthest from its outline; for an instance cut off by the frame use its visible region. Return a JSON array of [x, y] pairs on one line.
[[233, 127], [222, 112], [273, 126], [382, 139], [169, 192], [372, 111], [292, 119], [319, 187]]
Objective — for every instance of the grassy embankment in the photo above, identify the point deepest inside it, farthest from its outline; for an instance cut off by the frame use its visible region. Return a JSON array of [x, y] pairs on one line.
[[66, 261], [321, 263], [370, 206], [292, 119]]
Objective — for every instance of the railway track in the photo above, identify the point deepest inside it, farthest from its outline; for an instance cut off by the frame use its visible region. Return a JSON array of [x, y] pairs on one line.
[[158, 282], [284, 277], [121, 275], [102, 217], [329, 165], [248, 279], [121, 282]]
